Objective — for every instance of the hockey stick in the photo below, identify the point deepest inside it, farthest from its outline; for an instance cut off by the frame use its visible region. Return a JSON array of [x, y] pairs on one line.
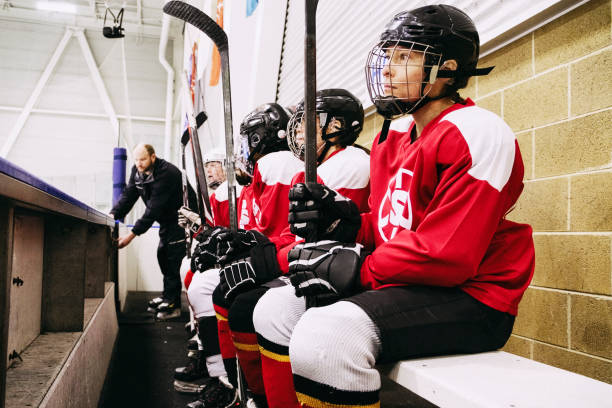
[[200, 119], [310, 90], [204, 23], [198, 163], [185, 198]]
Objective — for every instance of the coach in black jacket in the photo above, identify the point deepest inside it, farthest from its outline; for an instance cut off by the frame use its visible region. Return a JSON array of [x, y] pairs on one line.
[[159, 184]]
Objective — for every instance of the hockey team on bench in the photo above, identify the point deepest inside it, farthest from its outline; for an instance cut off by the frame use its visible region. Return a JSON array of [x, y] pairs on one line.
[[401, 253]]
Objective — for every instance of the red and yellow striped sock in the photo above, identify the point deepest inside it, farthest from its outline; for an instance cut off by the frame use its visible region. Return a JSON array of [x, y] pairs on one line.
[[247, 351]]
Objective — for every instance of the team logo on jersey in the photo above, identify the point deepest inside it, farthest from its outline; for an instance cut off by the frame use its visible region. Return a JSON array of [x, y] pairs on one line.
[[256, 213], [395, 211], [244, 215]]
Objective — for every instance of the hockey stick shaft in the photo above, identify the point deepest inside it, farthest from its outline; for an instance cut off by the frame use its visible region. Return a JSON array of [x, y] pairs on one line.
[[310, 90], [229, 141], [204, 23], [198, 162], [185, 200]]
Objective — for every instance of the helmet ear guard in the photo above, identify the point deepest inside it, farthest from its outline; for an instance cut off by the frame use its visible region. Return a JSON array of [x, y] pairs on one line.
[[260, 128]]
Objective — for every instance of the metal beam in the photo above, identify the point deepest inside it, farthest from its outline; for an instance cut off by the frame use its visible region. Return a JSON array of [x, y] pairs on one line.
[[163, 43], [126, 95], [101, 88], [81, 114], [14, 133]]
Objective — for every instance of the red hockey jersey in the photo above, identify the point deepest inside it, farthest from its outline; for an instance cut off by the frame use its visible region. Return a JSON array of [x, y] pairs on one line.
[[271, 182], [219, 204], [438, 208], [346, 171], [246, 220]]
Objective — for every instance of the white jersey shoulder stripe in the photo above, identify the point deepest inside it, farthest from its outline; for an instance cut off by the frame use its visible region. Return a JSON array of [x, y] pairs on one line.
[[279, 167], [491, 143], [349, 168], [221, 191]]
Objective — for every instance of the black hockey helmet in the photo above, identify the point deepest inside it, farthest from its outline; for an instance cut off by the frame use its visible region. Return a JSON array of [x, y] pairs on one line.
[[330, 105], [442, 33], [264, 130]]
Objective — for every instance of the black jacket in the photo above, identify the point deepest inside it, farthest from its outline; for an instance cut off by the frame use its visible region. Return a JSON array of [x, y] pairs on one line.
[[162, 193]]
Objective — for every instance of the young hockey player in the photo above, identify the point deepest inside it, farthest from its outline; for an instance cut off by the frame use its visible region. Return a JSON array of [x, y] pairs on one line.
[[191, 378], [261, 207], [341, 167], [447, 270]]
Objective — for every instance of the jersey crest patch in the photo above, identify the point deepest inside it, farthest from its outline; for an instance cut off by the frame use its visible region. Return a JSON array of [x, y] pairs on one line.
[[256, 212], [395, 210]]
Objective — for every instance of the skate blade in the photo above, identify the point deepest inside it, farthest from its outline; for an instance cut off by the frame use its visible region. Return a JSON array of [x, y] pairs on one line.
[[187, 388], [167, 316]]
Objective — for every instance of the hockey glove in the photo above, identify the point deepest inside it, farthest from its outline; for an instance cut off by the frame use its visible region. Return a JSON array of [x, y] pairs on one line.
[[258, 266], [205, 254], [324, 272], [188, 219], [317, 212], [237, 277], [236, 245]]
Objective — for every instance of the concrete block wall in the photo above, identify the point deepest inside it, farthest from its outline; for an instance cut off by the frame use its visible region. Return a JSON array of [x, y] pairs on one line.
[[554, 88]]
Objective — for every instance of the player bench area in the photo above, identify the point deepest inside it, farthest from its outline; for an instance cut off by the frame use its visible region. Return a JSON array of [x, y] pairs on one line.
[[497, 379]]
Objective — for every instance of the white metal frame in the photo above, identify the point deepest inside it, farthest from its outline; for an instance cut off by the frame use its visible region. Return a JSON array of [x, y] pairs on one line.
[[27, 109], [79, 33]]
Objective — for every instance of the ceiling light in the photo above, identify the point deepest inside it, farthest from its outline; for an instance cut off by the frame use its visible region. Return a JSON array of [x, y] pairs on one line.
[[56, 6]]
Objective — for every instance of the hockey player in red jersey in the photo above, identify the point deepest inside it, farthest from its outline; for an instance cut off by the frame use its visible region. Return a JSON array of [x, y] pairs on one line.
[[343, 168], [446, 270], [261, 207]]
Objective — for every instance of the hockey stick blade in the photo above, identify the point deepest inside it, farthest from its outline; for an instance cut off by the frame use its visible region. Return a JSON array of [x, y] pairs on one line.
[[198, 19], [200, 119]]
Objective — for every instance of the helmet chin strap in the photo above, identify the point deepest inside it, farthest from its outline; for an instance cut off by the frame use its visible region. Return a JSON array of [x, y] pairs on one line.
[[323, 150]]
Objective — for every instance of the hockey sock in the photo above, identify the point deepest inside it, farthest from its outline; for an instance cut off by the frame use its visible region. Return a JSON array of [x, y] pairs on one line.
[[247, 351], [228, 352], [308, 390], [245, 339], [207, 333], [276, 374]]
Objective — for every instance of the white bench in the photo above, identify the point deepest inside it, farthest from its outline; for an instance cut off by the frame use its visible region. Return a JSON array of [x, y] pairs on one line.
[[497, 379]]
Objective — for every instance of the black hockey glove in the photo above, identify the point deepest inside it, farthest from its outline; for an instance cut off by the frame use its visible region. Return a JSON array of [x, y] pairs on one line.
[[205, 254], [325, 272], [317, 212], [256, 265]]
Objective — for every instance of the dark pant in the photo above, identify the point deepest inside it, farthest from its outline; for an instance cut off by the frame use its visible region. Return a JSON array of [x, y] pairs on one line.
[[424, 320], [170, 253]]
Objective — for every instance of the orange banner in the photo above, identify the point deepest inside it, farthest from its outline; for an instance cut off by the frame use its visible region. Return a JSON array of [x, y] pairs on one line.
[[215, 68]]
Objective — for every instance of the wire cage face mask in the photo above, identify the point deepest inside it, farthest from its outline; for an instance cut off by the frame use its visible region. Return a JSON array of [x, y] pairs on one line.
[[242, 160], [297, 134], [397, 74]]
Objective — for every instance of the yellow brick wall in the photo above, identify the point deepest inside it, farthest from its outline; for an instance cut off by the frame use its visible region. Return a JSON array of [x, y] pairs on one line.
[[554, 88]]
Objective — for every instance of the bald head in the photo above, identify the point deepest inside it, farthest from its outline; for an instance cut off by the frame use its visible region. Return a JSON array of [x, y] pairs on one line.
[[144, 157]]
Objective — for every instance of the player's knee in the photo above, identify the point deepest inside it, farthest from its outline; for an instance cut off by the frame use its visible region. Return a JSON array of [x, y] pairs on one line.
[[240, 314], [277, 313], [185, 267], [219, 298], [200, 291], [332, 338]]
